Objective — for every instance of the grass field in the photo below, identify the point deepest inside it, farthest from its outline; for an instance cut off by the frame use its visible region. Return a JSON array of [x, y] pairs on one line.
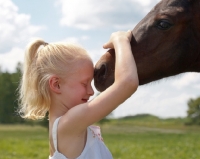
[[134, 138]]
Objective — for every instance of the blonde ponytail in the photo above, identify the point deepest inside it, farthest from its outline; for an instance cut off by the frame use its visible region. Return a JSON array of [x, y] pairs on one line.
[[31, 105]]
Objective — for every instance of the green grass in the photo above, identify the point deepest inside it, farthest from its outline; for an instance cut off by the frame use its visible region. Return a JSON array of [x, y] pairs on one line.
[[152, 144], [130, 138], [23, 142]]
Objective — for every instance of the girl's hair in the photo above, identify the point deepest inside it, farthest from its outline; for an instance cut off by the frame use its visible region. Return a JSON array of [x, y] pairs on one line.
[[39, 65]]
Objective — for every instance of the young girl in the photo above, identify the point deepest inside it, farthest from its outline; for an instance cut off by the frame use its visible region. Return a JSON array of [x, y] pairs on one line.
[[57, 79]]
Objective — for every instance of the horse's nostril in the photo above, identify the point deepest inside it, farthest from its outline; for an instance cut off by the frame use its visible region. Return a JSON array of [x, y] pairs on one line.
[[102, 71], [100, 74]]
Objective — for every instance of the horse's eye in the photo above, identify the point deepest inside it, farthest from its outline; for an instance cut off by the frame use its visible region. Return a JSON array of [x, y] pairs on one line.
[[163, 25]]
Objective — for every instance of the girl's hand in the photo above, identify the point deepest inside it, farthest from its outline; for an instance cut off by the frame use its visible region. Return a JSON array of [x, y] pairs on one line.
[[117, 37]]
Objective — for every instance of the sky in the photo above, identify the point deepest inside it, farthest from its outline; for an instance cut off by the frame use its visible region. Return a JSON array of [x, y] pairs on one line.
[[90, 24]]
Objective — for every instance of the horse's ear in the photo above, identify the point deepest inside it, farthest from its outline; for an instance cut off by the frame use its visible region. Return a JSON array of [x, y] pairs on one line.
[[54, 84]]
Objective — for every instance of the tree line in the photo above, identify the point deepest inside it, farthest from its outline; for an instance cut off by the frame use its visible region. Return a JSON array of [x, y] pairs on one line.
[[8, 96], [9, 83]]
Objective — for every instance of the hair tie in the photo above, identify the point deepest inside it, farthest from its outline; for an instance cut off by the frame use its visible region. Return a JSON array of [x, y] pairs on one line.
[[45, 44]]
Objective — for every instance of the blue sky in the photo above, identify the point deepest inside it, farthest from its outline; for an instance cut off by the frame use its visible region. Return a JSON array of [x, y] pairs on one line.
[[90, 23]]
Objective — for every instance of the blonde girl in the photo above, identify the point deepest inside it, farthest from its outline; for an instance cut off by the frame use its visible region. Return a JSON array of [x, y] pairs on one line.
[[57, 79]]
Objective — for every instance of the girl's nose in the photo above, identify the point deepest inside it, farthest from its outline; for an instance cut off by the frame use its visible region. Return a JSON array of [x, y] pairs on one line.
[[90, 90]]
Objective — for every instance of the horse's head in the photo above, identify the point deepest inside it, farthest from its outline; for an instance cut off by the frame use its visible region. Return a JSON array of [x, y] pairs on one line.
[[165, 43]]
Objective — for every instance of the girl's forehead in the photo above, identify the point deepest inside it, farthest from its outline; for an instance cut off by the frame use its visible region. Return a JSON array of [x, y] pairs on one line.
[[86, 69], [82, 70], [86, 64]]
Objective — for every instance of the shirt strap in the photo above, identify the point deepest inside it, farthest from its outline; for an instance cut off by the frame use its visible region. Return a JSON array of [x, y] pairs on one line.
[[54, 132]]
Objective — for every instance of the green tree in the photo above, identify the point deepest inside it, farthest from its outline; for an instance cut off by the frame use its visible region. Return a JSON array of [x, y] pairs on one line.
[[8, 96], [45, 122], [193, 112]]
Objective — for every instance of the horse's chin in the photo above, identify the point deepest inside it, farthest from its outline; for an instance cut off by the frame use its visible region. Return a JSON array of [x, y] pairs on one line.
[[103, 86]]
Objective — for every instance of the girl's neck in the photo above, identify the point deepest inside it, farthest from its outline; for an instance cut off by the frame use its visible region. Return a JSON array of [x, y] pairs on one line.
[[56, 111]]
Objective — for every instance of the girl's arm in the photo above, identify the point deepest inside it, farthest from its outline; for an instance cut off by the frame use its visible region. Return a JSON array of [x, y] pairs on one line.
[[125, 84]]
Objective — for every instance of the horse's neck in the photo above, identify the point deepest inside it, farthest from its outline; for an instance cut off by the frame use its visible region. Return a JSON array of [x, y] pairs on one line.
[[196, 24]]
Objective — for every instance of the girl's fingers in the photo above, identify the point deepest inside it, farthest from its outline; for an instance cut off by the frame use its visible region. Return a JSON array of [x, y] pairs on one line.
[[118, 34], [108, 45], [105, 46], [129, 34]]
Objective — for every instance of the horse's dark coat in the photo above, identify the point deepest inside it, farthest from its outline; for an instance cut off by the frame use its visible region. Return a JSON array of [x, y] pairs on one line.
[[165, 42]]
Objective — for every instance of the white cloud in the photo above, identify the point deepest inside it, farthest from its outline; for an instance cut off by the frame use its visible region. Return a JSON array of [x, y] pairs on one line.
[[76, 40], [185, 80], [90, 14], [15, 28], [9, 60]]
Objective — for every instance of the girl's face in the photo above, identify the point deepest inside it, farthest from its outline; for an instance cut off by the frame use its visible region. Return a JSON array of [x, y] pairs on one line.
[[76, 89]]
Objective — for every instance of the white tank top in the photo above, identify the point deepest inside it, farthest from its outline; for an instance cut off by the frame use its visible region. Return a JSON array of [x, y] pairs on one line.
[[94, 147]]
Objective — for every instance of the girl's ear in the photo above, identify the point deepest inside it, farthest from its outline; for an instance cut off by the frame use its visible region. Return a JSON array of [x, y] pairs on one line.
[[54, 84]]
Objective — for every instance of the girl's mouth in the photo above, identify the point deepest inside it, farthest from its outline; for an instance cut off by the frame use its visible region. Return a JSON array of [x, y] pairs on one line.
[[85, 100]]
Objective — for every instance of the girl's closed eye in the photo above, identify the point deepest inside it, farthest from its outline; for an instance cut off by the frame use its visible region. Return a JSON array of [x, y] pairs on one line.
[[84, 84]]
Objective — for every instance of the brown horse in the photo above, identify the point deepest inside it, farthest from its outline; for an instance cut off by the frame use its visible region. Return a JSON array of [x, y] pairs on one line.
[[165, 42]]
